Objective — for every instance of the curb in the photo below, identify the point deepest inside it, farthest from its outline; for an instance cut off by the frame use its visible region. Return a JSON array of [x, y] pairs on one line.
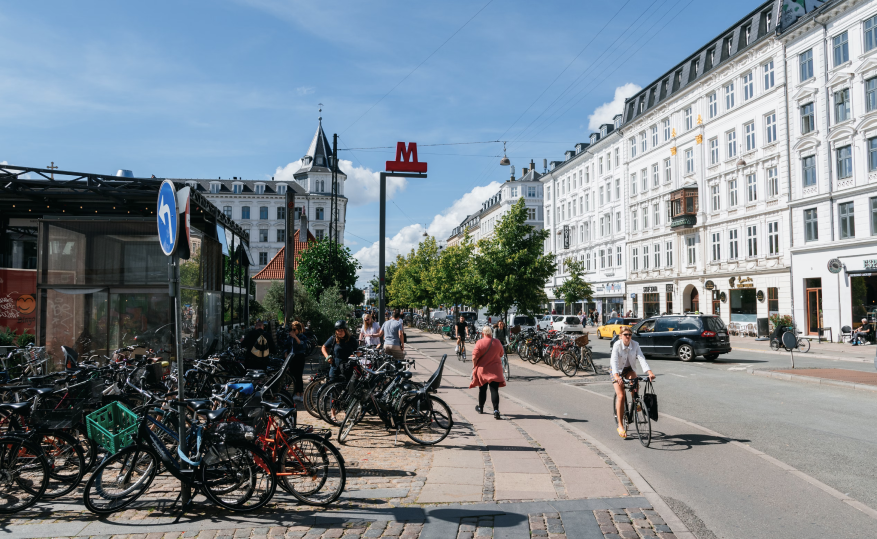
[[807, 354], [813, 380]]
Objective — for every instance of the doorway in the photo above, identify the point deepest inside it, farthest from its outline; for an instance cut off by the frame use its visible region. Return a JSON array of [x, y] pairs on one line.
[[695, 300], [814, 305]]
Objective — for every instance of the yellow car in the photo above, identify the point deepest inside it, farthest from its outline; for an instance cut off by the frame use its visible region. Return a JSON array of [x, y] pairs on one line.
[[614, 326]]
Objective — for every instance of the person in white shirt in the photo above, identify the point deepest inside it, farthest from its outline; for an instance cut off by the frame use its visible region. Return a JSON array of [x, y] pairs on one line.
[[370, 334], [625, 351]]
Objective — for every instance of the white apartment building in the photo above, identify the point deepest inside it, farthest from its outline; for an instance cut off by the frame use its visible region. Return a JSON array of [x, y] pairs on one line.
[[831, 55], [704, 146], [585, 213], [260, 206]]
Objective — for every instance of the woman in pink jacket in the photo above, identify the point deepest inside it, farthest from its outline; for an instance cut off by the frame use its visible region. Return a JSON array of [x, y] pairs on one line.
[[487, 370]]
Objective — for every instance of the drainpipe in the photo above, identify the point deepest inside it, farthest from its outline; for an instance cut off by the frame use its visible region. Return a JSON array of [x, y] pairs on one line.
[[827, 127], [789, 177]]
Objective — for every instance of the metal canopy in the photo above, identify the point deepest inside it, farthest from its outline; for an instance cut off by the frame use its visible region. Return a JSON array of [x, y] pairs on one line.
[[64, 193]]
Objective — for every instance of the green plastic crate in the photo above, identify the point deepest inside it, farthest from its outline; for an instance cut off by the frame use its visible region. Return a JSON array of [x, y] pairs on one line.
[[112, 427]]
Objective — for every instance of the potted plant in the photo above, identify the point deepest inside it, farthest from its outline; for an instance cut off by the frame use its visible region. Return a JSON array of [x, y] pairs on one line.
[[7, 340]]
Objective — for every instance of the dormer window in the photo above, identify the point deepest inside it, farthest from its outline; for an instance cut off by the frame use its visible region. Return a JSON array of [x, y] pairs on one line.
[[281, 189], [747, 32], [237, 188], [260, 189], [319, 161], [603, 131], [215, 187]]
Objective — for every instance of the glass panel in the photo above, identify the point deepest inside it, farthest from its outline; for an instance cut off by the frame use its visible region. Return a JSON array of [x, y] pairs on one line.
[[141, 316], [190, 268], [190, 314], [78, 318], [211, 324], [744, 305]]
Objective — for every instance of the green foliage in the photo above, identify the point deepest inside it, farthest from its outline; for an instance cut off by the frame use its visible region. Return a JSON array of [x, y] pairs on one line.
[[355, 297], [7, 336], [512, 266], [25, 338], [323, 312], [326, 264], [778, 320], [575, 288], [414, 279], [274, 301], [455, 277]]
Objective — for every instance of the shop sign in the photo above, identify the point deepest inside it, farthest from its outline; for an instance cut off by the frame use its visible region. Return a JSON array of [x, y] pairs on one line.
[[669, 288], [566, 236], [648, 289], [17, 299], [723, 297], [709, 285], [633, 296], [760, 296], [869, 264], [741, 282]]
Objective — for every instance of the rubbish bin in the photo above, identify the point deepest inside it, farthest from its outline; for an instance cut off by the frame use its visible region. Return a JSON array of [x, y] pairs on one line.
[[763, 328]]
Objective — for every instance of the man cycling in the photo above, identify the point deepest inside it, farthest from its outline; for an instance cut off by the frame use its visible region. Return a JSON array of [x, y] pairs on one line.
[[621, 365], [462, 331]]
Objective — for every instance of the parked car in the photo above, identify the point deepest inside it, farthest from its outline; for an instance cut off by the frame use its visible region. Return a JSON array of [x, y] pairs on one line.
[[569, 324], [682, 336], [545, 321], [614, 326], [526, 322]]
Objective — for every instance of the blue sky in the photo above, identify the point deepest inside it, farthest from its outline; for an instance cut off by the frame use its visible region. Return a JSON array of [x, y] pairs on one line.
[[204, 89]]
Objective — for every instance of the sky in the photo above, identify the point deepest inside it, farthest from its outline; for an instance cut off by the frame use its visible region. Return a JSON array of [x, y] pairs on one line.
[[223, 88]]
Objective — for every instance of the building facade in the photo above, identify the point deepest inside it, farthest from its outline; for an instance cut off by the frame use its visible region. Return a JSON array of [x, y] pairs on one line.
[[831, 55], [259, 206]]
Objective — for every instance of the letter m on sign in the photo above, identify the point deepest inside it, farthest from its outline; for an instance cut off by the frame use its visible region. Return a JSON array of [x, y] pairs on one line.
[[406, 159]]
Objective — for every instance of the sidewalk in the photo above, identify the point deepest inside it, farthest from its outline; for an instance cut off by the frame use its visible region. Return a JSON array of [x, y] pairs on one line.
[[527, 476], [823, 350]]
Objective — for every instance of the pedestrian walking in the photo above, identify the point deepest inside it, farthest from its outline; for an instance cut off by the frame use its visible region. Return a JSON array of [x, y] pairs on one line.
[[370, 333], [501, 334], [487, 370], [297, 365], [394, 339]]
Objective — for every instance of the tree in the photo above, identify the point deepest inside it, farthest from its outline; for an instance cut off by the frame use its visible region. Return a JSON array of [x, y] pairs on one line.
[[512, 265], [324, 264], [414, 281], [455, 280], [574, 288], [356, 297], [275, 300]]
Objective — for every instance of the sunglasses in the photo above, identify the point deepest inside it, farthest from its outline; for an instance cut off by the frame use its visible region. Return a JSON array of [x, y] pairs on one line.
[[627, 334]]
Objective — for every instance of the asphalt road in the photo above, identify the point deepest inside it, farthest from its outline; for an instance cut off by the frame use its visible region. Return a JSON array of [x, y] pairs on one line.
[[718, 487]]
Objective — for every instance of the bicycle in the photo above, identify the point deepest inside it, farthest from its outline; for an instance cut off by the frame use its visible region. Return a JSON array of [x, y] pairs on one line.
[[24, 474], [506, 371], [802, 344], [635, 409]]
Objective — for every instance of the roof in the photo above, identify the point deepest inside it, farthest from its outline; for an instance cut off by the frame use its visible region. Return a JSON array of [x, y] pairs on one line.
[[275, 270], [317, 158], [248, 186]]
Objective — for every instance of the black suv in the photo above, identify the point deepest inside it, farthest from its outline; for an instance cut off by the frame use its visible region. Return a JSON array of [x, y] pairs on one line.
[[684, 336]]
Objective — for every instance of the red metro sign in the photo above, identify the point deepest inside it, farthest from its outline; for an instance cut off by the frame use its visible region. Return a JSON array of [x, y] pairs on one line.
[[406, 159]]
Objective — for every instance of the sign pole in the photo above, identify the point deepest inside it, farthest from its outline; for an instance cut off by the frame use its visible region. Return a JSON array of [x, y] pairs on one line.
[[289, 259], [181, 368], [382, 231]]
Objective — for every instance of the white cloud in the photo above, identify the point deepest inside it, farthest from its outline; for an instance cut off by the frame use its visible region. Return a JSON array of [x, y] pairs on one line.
[[440, 227], [363, 186], [305, 90], [607, 111]]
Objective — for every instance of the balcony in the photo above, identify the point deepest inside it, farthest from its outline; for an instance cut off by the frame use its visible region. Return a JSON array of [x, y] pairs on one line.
[[683, 208]]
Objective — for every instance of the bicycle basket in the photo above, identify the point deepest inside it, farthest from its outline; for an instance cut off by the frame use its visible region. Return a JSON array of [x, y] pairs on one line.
[[651, 402], [582, 341], [112, 427], [147, 375], [58, 415], [231, 431]]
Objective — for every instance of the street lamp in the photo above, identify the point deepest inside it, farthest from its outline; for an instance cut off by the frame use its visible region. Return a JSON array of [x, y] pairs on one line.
[[505, 160]]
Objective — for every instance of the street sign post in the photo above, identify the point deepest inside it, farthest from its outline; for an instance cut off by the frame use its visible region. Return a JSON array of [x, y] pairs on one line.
[[790, 341], [406, 165], [168, 217]]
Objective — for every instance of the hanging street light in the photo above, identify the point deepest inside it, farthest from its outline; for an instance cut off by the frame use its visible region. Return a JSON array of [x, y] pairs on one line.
[[505, 160]]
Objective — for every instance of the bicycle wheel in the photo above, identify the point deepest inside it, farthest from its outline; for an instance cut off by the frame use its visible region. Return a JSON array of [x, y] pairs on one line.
[[569, 364], [237, 476], [312, 470], [643, 422], [120, 480], [90, 449], [66, 462], [427, 419], [331, 401], [310, 397], [804, 345], [588, 360], [774, 345], [24, 474], [555, 361], [354, 414], [506, 370]]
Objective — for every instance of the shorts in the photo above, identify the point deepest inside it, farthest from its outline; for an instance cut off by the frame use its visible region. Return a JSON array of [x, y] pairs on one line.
[[626, 371], [395, 351]]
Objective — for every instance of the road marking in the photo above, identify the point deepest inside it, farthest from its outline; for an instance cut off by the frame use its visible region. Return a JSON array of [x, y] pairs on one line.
[[776, 462], [737, 368], [674, 374]]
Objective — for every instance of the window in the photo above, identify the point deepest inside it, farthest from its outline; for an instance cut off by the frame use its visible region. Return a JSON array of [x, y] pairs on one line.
[[668, 253], [609, 257], [633, 219], [752, 240], [260, 189], [666, 125], [773, 300], [602, 258], [587, 200], [227, 211], [689, 161], [748, 87], [716, 197], [531, 214], [749, 134], [691, 250], [298, 213], [773, 238], [654, 136], [751, 188], [320, 234], [808, 121], [645, 257], [871, 33], [733, 253], [635, 258], [656, 214], [319, 214], [601, 195], [263, 259], [608, 162], [548, 193], [602, 226], [609, 224], [617, 157], [281, 189], [237, 188], [644, 180], [263, 235], [811, 228], [770, 128], [617, 189], [531, 191], [773, 182], [215, 187], [667, 171], [281, 213], [657, 255], [872, 154], [805, 65], [842, 105], [245, 212], [280, 237], [847, 220], [642, 141], [717, 246], [689, 121], [632, 151], [645, 217], [514, 190], [633, 183], [714, 151], [713, 105], [656, 176], [618, 222], [618, 254], [844, 162], [808, 165], [732, 193], [767, 71], [732, 143], [871, 94], [548, 217], [841, 47], [263, 212], [873, 202], [729, 96]]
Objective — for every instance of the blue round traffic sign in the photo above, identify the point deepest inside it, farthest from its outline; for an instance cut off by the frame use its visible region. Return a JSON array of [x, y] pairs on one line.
[[167, 217]]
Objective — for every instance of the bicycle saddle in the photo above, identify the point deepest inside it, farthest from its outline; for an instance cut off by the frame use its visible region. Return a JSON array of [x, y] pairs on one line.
[[283, 413], [20, 408], [407, 375], [37, 380], [40, 390], [198, 404], [212, 415]]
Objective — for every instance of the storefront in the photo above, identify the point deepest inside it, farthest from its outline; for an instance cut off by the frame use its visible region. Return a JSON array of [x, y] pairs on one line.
[[97, 282], [609, 298]]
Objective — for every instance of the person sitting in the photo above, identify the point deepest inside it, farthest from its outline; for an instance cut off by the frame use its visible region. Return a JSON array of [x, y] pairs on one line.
[[863, 334]]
